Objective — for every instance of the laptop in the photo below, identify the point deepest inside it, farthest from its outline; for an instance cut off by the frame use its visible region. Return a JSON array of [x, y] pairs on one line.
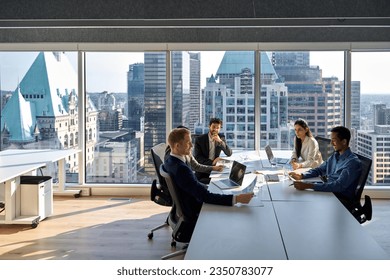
[[235, 179], [272, 158]]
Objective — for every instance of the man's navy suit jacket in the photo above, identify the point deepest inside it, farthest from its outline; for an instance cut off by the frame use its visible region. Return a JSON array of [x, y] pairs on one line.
[[190, 190]]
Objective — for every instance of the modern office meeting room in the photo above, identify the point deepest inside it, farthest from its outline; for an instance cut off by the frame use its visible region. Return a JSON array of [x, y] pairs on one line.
[[93, 98]]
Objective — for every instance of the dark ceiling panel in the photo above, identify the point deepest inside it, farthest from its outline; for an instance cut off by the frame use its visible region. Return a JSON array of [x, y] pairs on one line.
[[190, 9]]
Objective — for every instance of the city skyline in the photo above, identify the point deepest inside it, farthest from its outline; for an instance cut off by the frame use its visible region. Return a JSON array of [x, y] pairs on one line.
[[373, 76], [232, 98]]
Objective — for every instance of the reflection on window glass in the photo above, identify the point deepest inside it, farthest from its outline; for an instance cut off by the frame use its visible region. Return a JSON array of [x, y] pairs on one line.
[[371, 112], [38, 105]]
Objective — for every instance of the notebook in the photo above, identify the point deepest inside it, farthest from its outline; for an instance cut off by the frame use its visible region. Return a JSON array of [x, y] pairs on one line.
[[235, 179], [272, 158], [271, 177]]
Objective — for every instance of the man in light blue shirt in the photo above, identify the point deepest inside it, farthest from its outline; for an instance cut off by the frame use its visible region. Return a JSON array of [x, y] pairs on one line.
[[341, 171]]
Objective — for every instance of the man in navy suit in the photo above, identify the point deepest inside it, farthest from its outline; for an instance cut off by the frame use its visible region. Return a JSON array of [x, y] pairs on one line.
[[209, 146], [189, 188]]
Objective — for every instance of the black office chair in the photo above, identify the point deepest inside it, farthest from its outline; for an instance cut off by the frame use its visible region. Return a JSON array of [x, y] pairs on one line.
[[159, 192], [362, 213], [325, 147], [182, 227]]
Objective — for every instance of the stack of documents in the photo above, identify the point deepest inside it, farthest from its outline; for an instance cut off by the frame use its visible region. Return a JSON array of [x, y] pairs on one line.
[[247, 186]]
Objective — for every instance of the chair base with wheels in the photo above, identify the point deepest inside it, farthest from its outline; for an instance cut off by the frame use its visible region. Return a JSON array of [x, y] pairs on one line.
[[150, 234], [178, 253], [363, 213]]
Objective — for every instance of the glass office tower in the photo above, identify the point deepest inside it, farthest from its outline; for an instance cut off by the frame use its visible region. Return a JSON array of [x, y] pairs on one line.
[[155, 97], [310, 96], [135, 93], [230, 96]]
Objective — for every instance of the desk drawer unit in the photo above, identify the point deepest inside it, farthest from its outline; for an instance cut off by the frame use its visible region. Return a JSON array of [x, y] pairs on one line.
[[36, 196]]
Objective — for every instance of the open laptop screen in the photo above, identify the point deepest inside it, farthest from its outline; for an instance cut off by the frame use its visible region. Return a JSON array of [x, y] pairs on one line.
[[237, 173]]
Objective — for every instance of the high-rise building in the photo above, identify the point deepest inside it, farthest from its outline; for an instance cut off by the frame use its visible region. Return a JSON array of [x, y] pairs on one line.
[[333, 107], [181, 88], [42, 112], [155, 97], [195, 90], [355, 103], [375, 144], [381, 114], [310, 96], [135, 95], [155, 103], [213, 100], [290, 58], [232, 100], [110, 117]]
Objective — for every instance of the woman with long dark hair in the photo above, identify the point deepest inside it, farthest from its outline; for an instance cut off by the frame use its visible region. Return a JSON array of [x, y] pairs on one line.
[[306, 152]]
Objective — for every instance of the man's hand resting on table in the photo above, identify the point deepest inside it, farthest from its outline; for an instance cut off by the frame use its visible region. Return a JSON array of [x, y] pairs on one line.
[[296, 176], [300, 185]]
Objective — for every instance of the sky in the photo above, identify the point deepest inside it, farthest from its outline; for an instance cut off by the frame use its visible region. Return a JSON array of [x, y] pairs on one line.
[[108, 71]]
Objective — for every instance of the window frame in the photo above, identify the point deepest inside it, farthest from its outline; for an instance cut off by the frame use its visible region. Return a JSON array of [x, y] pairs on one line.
[[82, 48]]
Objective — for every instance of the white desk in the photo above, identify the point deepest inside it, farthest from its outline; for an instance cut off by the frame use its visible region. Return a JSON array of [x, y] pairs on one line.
[[236, 233], [312, 225], [13, 164], [17, 162]]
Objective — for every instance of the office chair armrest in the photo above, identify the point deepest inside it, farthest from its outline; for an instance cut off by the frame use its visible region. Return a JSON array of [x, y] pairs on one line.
[[159, 196]]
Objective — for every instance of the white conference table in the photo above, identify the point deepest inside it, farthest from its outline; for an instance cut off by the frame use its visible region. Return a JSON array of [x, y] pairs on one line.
[[285, 191], [236, 233], [324, 230], [15, 163], [306, 225]]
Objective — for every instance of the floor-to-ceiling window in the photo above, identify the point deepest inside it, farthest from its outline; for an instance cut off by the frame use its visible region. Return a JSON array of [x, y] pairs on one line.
[[371, 112], [126, 103], [39, 101], [116, 102]]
